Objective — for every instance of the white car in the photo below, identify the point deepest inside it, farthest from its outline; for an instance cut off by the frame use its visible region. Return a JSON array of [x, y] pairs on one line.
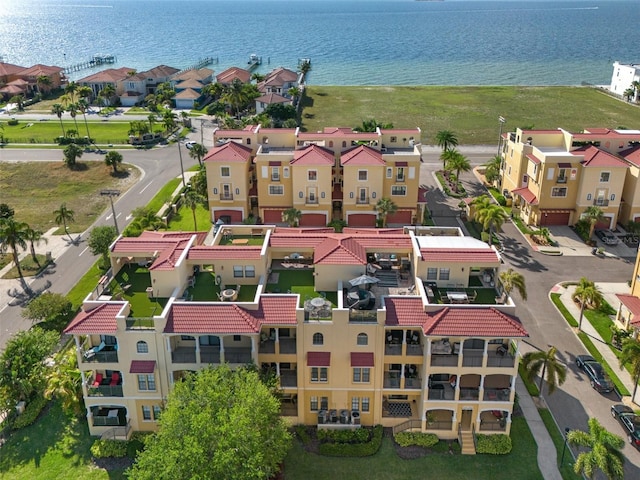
[[190, 144]]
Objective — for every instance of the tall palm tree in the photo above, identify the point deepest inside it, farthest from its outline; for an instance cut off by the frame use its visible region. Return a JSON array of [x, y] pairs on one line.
[[511, 279], [491, 217], [589, 295], [169, 119], [291, 216], [83, 106], [13, 235], [152, 119], [72, 108], [107, 92], [191, 200], [556, 373], [492, 169], [113, 159], [235, 95], [58, 110], [65, 382], [34, 237], [62, 216], [198, 151], [593, 214], [459, 163], [446, 140], [631, 354], [44, 84], [605, 454], [70, 91], [385, 207], [628, 94]]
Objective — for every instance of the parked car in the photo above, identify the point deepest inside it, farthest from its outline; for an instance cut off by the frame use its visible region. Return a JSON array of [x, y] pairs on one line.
[[598, 379], [190, 144], [629, 421], [607, 237]]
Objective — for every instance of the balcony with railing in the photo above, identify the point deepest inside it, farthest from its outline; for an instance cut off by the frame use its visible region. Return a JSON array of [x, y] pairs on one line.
[[209, 354], [472, 358], [362, 201], [101, 354], [226, 196], [500, 358], [601, 202], [313, 200], [183, 355], [493, 421], [288, 378], [496, 394], [106, 416], [391, 379], [105, 391]]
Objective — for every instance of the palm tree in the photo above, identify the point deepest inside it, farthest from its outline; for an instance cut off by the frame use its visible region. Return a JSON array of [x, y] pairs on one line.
[[83, 106], [446, 156], [62, 216], [191, 200], [511, 279], [71, 154], [636, 90], [58, 110], [458, 162], [446, 139], [34, 237], [605, 454], [235, 95], [293, 92], [13, 235], [44, 84], [305, 67], [168, 120], [631, 354], [65, 382], [385, 207], [198, 151], [113, 159], [492, 169], [593, 214], [291, 216], [588, 294], [107, 92], [491, 217], [152, 120], [628, 94], [70, 91], [72, 108], [556, 373]]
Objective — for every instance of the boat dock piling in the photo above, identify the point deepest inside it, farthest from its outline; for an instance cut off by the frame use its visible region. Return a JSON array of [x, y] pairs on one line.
[[95, 61], [203, 62]]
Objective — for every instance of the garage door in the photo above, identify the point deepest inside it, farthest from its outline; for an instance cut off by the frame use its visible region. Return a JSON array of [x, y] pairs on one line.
[[604, 224], [272, 216], [402, 217], [555, 218], [228, 216], [313, 220], [361, 220]]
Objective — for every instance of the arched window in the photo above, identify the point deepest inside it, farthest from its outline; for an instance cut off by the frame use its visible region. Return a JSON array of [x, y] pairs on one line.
[[363, 339], [318, 339], [142, 347]]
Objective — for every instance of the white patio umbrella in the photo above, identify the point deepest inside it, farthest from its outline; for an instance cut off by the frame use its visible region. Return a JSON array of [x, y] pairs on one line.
[[363, 280]]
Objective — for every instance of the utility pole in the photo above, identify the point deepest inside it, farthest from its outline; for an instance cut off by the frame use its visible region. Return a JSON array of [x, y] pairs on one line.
[[502, 121], [111, 194], [184, 184]]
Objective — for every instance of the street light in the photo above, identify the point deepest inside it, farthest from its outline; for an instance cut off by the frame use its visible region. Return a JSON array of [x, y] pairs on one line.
[[564, 446], [111, 194], [184, 184], [502, 121]]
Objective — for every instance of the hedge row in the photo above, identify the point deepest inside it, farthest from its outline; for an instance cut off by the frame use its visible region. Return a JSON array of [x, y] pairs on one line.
[[406, 439], [493, 444], [359, 435], [31, 412], [109, 448], [354, 450]]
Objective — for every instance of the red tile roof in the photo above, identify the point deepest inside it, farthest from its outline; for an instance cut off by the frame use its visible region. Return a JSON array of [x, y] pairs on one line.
[[422, 195], [230, 152], [594, 157], [39, 69], [361, 155], [188, 94], [340, 252], [142, 366], [224, 252], [632, 155], [459, 255], [189, 83], [526, 194], [313, 155], [534, 159], [271, 98], [230, 74], [474, 322], [198, 74], [110, 75], [362, 359], [279, 77], [597, 133], [318, 359], [631, 302], [101, 319], [337, 133], [7, 69], [405, 312], [218, 318]]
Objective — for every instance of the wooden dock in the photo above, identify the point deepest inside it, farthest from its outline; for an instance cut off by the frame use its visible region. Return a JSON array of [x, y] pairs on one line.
[[95, 61], [203, 62]]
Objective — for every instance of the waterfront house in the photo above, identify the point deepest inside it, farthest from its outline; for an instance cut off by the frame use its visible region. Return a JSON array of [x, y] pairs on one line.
[[188, 86], [114, 77], [226, 77], [623, 77], [278, 81], [139, 85], [263, 101]]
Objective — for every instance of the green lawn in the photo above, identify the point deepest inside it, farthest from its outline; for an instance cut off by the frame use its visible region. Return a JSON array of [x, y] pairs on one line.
[[521, 464], [471, 112], [299, 281], [183, 220], [57, 446], [28, 131]]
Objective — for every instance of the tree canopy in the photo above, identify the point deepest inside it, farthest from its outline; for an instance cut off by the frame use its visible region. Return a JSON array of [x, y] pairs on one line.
[[99, 240], [218, 423]]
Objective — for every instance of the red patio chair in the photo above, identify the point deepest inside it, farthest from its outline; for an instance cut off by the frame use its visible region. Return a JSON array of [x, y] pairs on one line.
[[98, 380], [115, 378]]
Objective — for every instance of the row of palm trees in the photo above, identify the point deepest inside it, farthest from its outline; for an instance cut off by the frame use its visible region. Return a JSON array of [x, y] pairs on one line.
[[633, 92], [452, 159]]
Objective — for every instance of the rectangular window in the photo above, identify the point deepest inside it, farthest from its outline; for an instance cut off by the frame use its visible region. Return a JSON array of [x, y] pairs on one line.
[[276, 190], [604, 177], [559, 192], [265, 171], [312, 175], [285, 172], [389, 172], [147, 382], [365, 404], [432, 273], [225, 172], [412, 173], [444, 274], [324, 403], [400, 174], [319, 374], [250, 271], [362, 175], [156, 412], [355, 403], [400, 190], [238, 271], [314, 374], [313, 404], [146, 413], [275, 174], [551, 172], [562, 176], [361, 375]]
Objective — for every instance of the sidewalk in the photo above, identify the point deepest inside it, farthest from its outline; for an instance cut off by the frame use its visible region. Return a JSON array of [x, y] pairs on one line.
[[609, 291]]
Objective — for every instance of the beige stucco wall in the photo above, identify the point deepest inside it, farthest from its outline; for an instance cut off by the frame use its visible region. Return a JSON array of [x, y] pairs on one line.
[[374, 185]]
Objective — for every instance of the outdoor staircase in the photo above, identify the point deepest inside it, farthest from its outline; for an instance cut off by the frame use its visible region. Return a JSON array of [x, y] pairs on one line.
[[388, 278], [468, 447]]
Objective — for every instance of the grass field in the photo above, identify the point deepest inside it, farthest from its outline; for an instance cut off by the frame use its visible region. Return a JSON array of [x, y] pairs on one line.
[[36, 189], [27, 131], [471, 112]]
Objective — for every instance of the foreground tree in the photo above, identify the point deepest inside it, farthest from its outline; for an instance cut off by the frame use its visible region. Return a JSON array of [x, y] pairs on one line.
[[198, 151], [191, 200], [13, 235], [218, 423], [605, 454], [631, 355], [534, 362], [34, 237], [100, 239], [492, 169], [49, 307], [22, 366], [71, 154], [446, 140], [113, 159], [456, 161], [385, 207], [58, 110], [491, 217], [6, 211], [588, 295], [199, 183], [511, 279], [291, 216], [64, 382], [62, 216], [593, 214]]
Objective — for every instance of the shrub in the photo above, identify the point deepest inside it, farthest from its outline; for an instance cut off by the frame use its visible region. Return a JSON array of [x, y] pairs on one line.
[[109, 448], [405, 439], [501, 200], [356, 449], [303, 435], [31, 412], [359, 435], [13, 122], [582, 228], [494, 444]]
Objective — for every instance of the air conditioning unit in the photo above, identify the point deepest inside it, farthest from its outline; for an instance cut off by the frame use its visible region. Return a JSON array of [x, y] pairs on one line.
[[20, 407], [355, 417]]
